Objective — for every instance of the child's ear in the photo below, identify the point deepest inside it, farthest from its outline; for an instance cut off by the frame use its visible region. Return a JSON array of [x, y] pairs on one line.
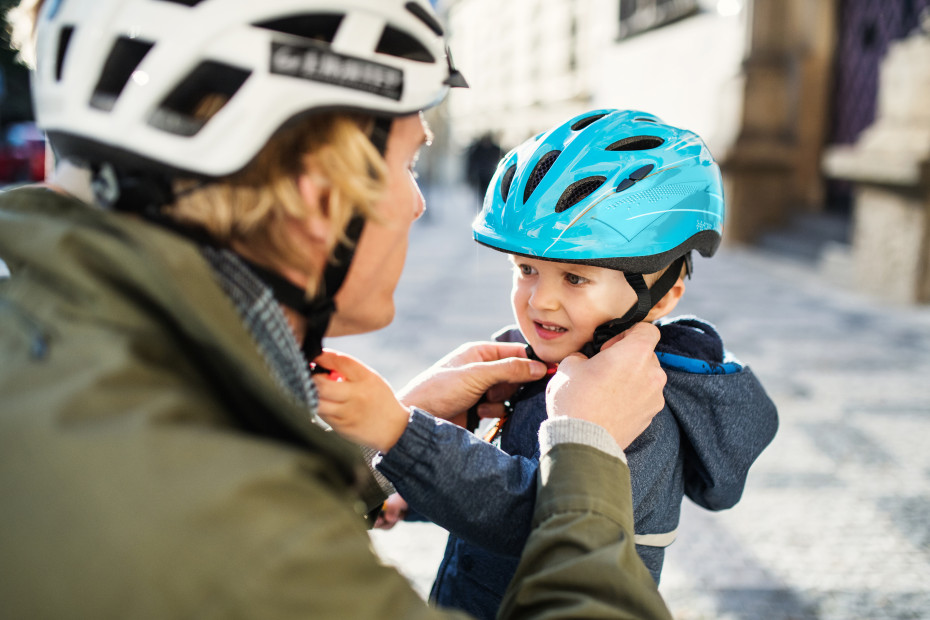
[[667, 303]]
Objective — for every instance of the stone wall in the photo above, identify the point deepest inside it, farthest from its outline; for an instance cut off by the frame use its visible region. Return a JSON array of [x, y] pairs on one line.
[[890, 168]]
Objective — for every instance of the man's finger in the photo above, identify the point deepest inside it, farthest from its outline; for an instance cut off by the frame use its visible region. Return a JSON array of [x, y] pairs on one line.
[[495, 351], [571, 361], [501, 392], [491, 410], [343, 365], [510, 370], [644, 333], [334, 392]]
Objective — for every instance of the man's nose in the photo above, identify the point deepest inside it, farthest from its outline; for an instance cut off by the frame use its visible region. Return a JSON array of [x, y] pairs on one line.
[[420, 206]]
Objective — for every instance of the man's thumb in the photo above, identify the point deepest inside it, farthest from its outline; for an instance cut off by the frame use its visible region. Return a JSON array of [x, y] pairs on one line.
[[512, 370], [339, 363]]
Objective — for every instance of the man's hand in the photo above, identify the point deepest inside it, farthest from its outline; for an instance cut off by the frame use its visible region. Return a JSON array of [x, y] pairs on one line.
[[457, 381], [358, 403], [620, 388], [394, 510]]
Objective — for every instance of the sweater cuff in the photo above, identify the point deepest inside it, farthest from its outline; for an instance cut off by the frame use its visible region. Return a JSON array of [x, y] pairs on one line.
[[417, 437], [371, 458], [555, 431]]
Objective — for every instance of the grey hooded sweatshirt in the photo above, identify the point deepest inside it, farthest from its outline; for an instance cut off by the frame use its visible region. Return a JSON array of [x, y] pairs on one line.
[[716, 421]]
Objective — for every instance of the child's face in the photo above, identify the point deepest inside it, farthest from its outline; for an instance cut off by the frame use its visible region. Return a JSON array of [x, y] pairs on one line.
[[558, 305]]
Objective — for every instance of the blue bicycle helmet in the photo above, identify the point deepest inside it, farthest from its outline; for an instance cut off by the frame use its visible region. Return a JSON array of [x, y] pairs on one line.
[[611, 188]]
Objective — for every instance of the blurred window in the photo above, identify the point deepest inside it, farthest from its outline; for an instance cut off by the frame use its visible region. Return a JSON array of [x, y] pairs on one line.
[[638, 16]]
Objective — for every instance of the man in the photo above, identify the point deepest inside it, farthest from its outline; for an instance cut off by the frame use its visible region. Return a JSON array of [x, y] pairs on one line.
[[249, 191]]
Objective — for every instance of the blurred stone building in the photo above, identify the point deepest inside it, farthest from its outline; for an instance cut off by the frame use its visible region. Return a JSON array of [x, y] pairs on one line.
[[836, 118], [818, 110]]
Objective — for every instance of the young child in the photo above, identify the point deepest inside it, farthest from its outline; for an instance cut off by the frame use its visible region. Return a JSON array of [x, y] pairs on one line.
[[599, 216]]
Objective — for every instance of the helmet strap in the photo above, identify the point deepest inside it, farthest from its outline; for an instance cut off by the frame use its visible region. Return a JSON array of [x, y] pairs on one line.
[[319, 310], [316, 311], [130, 191], [104, 183], [646, 299], [146, 193], [380, 132]]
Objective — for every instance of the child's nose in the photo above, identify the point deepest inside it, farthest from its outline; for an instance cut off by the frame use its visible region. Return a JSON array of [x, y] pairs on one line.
[[544, 297]]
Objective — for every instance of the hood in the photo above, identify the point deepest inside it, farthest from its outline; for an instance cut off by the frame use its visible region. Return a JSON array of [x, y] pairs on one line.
[[725, 416]]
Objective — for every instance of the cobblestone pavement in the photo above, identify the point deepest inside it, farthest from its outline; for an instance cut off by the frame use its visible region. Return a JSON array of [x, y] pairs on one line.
[[835, 520]]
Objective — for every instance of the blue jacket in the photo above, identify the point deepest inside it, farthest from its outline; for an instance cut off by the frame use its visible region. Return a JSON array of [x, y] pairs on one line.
[[716, 422]]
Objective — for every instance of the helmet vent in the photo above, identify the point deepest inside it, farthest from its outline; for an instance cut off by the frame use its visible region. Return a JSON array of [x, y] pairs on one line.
[[185, 2], [123, 60], [398, 43], [198, 98], [64, 39], [506, 181], [637, 175], [424, 17], [643, 119], [636, 143], [542, 167], [640, 173], [315, 26], [579, 125], [578, 191]]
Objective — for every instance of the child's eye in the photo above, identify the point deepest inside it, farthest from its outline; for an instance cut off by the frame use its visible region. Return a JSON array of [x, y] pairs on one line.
[[574, 279], [526, 270]]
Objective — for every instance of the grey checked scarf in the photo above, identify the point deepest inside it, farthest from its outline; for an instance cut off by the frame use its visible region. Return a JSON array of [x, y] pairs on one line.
[[265, 320]]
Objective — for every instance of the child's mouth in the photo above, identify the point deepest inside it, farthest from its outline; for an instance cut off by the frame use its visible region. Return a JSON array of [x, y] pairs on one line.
[[547, 331]]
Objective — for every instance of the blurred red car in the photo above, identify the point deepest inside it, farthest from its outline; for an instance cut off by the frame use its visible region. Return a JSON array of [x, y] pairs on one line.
[[22, 154]]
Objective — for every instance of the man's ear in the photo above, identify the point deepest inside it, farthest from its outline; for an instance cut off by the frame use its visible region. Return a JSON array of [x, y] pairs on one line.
[[667, 303], [315, 195]]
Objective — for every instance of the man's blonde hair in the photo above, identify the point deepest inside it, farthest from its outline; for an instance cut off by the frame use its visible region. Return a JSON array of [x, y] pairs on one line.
[[22, 24], [254, 207]]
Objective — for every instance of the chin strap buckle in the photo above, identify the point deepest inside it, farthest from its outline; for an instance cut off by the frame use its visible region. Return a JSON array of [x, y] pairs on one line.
[[646, 298]]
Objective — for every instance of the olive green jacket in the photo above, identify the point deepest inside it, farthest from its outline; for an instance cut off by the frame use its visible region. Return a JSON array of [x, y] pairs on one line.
[[150, 466]]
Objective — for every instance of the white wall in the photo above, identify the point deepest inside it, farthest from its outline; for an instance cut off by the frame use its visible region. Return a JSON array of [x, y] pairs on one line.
[[687, 73], [527, 71]]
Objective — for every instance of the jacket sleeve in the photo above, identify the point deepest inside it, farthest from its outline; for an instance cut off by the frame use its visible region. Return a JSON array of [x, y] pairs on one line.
[[580, 560], [730, 424], [463, 484]]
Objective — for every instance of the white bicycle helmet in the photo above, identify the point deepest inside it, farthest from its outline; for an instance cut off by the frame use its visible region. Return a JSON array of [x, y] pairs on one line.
[[143, 91], [123, 80]]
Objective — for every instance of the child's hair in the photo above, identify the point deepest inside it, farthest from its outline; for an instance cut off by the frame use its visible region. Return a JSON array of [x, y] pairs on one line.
[[611, 188]]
